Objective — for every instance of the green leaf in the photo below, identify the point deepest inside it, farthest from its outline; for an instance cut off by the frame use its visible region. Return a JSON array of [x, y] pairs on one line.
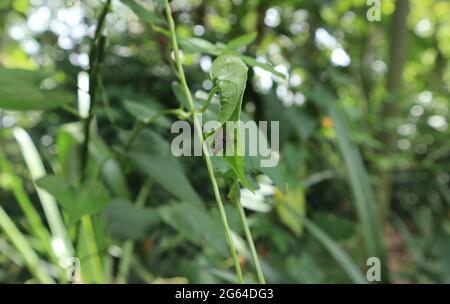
[[143, 13], [254, 63], [305, 269], [199, 225], [253, 163], [20, 90], [198, 45], [146, 113], [237, 165], [180, 95], [187, 219], [243, 40], [337, 227], [88, 198], [125, 221], [229, 73], [151, 154], [294, 199], [5, 4]]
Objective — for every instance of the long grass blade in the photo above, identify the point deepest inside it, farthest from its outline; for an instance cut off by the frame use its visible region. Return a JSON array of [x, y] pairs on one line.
[[361, 188], [337, 252], [22, 245], [37, 227], [61, 244]]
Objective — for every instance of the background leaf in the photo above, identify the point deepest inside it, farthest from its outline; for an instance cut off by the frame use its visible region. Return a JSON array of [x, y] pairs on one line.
[[143, 13], [20, 90], [77, 200], [151, 155], [241, 41]]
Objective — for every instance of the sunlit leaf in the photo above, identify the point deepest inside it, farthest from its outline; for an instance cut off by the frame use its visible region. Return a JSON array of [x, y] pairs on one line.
[[293, 199], [193, 45], [254, 63]]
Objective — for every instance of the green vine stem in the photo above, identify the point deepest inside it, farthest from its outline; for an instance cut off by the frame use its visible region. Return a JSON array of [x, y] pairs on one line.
[[248, 234], [198, 130], [96, 56], [95, 59], [208, 101]]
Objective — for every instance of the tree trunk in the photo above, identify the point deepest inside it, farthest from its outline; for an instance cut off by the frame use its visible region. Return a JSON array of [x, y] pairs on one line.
[[397, 57]]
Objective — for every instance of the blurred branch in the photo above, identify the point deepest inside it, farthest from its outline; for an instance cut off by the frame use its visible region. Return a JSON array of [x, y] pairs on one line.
[[96, 56]]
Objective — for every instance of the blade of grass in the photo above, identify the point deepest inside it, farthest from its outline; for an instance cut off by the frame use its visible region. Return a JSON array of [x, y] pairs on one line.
[[334, 249], [36, 226], [362, 190], [22, 245], [358, 179], [336, 252], [60, 242], [92, 250]]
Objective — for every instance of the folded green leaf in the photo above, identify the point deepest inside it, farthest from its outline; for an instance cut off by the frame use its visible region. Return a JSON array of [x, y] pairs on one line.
[[20, 90], [229, 73]]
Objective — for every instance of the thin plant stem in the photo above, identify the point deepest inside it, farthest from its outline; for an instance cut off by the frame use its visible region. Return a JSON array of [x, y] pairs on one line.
[[107, 104], [248, 234], [208, 101], [198, 130], [95, 59]]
